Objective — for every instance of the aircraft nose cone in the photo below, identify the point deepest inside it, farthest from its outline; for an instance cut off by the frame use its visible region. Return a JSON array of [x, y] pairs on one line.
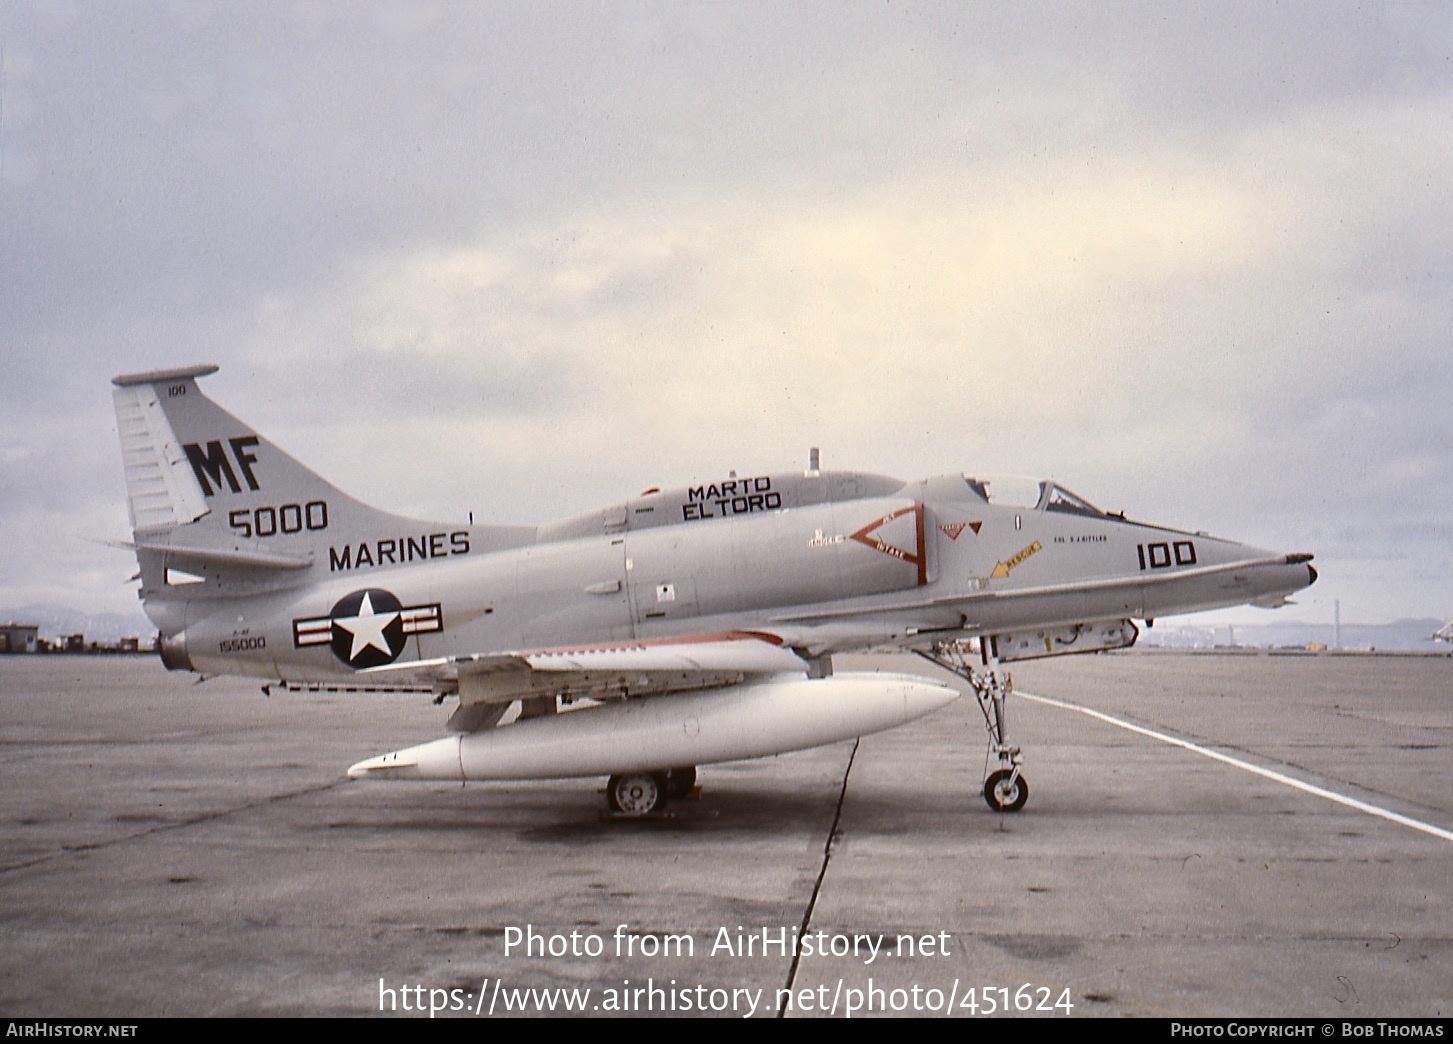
[[1302, 558]]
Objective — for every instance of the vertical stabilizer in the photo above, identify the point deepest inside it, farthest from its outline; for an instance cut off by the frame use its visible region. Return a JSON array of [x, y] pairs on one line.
[[219, 509]]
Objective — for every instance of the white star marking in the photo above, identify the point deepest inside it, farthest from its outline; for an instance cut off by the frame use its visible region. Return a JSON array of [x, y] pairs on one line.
[[367, 628]]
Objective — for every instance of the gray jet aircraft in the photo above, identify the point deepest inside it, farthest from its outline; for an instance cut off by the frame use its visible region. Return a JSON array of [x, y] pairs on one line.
[[683, 627]]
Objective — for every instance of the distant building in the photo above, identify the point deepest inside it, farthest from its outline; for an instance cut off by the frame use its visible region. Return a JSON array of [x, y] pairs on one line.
[[18, 638], [73, 643]]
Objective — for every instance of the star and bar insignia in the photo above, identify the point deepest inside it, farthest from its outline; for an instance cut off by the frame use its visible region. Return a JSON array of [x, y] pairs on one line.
[[368, 628]]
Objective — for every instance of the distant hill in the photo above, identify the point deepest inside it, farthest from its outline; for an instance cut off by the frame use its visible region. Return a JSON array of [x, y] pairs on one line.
[[1412, 635]]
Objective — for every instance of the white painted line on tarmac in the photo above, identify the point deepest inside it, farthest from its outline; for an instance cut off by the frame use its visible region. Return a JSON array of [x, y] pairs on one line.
[[1341, 799]]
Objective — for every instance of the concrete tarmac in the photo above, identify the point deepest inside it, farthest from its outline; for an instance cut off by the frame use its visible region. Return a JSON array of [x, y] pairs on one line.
[[180, 849]]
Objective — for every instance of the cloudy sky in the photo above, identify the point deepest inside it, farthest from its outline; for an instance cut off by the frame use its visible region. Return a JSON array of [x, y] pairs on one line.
[[1195, 261]]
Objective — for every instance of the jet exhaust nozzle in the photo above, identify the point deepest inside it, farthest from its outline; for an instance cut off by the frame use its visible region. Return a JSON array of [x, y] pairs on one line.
[[173, 650]]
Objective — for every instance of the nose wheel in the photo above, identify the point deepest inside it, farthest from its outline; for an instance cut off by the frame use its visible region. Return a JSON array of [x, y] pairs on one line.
[[1006, 790]]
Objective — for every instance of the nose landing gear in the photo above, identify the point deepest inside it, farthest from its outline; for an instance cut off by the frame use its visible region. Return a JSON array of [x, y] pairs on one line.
[[1006, 789]]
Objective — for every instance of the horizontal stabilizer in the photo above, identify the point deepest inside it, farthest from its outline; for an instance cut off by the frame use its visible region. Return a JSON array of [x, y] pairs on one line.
[[215, 556], [180, 373]]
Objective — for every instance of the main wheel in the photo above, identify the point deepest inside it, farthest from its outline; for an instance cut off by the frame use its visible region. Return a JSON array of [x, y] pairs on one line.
[[636, 794], [679, 782], [1003, 793]]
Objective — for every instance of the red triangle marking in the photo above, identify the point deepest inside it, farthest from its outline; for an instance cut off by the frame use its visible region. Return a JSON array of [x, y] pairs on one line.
[[916, 557]]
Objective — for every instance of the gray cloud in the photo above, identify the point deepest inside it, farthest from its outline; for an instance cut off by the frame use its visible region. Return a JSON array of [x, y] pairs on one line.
[[1193, 261]]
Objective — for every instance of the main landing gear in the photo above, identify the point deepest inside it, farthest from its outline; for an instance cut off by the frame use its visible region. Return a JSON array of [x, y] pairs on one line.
[[1006, 789], [636, 794]]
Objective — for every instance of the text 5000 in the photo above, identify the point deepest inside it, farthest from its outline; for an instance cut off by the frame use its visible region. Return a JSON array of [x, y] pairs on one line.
[[289, 518]]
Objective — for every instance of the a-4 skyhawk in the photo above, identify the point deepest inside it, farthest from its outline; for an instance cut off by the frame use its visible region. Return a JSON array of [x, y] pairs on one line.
[[683, 627]]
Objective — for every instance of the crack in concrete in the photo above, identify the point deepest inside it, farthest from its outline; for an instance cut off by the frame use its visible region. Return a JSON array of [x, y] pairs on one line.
[[832, 836]]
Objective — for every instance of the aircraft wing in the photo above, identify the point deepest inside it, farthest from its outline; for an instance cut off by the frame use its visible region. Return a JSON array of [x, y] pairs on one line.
[[605, 670]]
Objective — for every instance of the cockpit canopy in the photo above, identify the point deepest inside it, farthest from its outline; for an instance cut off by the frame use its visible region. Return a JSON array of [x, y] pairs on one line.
[[1041, 495]]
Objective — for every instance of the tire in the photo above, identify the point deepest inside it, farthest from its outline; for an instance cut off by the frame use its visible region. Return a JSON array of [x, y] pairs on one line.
[[1003, 796], [636, 794]]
